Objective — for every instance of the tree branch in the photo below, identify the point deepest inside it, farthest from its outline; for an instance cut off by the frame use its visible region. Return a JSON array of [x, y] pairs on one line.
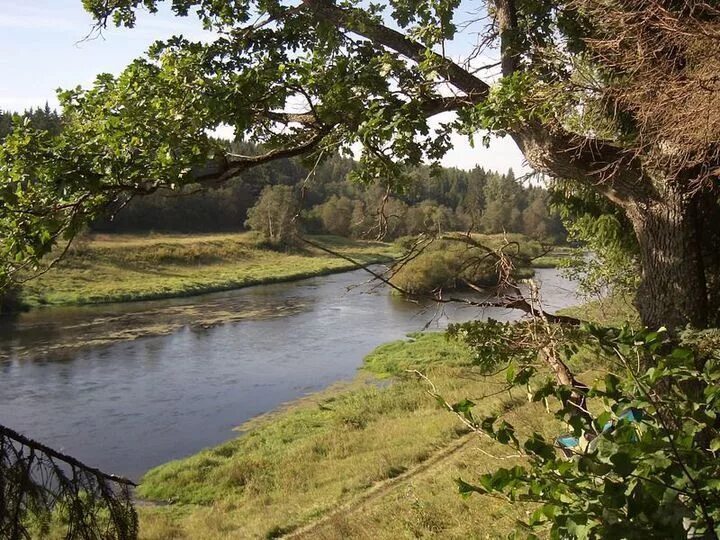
[[613, 172], [12, 434], [508, 302], [357, 22], [225, 167]]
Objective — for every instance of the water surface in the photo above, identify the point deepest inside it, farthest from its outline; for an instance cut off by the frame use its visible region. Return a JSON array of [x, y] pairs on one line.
[[130, 405]]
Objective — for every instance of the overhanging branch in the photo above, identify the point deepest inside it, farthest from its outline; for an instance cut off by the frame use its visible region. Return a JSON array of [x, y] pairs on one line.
[[228, 166], [357, 22]]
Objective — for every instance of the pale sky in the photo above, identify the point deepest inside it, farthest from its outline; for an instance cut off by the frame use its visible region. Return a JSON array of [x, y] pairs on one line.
[[42, 49]]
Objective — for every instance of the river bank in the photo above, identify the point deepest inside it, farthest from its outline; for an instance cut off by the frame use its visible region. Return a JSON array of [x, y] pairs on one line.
[[104, 269], [363, 460], [123, 268]]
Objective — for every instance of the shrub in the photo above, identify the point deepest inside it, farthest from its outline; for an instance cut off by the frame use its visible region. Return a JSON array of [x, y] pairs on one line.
[[449, 264], [11, 299], [646, 460]]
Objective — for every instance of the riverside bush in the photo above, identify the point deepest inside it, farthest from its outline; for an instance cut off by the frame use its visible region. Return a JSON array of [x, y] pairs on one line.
[[449, 264], [651, 468], [10, 299]]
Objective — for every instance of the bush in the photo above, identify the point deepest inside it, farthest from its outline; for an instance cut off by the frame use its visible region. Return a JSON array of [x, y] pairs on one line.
[[11, 299], [448, 264], [645, 463]]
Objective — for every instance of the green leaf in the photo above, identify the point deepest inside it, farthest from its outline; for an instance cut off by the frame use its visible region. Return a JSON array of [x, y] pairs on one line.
[[622, 463]]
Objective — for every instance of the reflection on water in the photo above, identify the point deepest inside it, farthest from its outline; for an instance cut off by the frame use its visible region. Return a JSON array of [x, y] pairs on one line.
[[130, 405]]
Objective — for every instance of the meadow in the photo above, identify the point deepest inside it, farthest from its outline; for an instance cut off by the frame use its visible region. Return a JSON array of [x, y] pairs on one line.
[[122, 268]]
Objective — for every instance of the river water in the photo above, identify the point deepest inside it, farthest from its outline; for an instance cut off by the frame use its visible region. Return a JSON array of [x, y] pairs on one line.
[[130, 405]]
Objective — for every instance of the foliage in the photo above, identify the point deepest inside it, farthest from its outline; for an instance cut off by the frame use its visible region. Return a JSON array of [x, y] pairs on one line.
[[44, 493], [649, 474], [446, 200], [336, 215], [449, 263], [44, 119], [11, 299], [606, 263], [275, 215]]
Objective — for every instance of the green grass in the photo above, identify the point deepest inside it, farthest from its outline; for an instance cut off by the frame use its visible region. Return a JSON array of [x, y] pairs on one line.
[[332, 449], [121, 268], [610, 311]]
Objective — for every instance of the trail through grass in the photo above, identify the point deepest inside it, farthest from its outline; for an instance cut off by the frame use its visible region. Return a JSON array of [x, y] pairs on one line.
[[293, 467]]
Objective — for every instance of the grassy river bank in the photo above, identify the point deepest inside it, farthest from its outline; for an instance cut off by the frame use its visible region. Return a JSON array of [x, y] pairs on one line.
[[375, 458], [122, 268], [101, 269]]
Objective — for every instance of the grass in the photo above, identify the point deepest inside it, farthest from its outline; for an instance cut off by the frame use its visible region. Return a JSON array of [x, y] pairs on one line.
[[609, 311], [366, 445], [120, 268], [555, 258]]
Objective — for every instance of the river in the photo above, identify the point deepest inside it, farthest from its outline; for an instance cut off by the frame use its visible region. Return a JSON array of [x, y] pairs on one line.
[[129, 405]]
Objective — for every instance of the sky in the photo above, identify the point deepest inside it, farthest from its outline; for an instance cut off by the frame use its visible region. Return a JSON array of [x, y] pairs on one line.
[[43, 48]]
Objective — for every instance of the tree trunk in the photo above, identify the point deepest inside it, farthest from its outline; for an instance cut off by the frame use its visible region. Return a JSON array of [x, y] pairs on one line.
[[673, 290], [708, 224]]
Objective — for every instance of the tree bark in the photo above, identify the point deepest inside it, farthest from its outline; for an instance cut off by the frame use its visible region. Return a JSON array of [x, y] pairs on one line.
[[708, 226], [673, 291]]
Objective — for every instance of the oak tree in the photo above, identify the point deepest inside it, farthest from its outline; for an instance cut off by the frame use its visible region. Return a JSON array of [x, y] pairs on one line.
[[614, 97]]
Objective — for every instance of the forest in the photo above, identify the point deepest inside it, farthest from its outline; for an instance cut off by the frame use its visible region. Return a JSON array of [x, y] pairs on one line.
[[440, 199]]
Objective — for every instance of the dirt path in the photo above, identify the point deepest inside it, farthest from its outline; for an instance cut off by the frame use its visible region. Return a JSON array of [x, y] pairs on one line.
[[380, 489]]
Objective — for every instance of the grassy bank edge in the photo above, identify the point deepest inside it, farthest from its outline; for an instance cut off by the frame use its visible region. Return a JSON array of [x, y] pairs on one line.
[[301, 462], [230, 285], [104, 269]]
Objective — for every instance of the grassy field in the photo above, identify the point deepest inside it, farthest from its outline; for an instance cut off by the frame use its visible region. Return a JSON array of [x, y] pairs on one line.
[[554, 258], [121, 268], [368, 460], [610, 311]]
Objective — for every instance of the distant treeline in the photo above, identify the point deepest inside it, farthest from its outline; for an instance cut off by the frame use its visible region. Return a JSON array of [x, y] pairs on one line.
[[451, 199], [43, 118]]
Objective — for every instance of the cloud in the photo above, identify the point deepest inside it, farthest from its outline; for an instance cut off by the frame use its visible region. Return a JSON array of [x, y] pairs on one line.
[[20, 16]]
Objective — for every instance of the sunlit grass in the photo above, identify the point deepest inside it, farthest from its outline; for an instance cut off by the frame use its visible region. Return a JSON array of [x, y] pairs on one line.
[[132, 267], [298, 465], [610, 311]]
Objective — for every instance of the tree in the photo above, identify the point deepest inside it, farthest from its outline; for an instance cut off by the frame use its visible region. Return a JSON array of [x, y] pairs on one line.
[[536, 219], [336, 215], [600, 112], [274, 215], [502, 211], [428, 217]]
